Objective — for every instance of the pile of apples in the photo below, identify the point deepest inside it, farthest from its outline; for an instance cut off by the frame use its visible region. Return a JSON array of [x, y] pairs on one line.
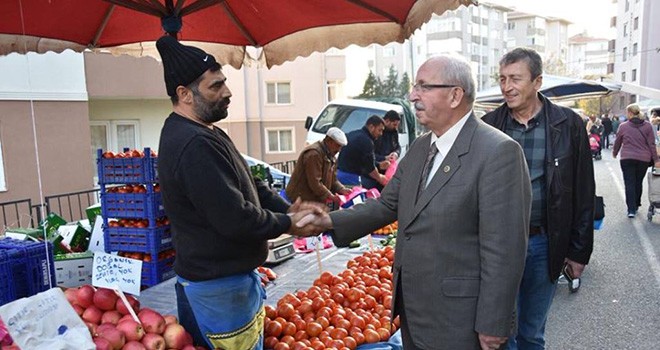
[[113, 327]]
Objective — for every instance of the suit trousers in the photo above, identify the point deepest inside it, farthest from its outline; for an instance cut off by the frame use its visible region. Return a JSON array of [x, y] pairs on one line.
[[406, 338], [633, 178]]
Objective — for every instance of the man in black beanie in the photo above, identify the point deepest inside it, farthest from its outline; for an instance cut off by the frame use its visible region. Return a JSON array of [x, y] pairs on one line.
[[221, 217]]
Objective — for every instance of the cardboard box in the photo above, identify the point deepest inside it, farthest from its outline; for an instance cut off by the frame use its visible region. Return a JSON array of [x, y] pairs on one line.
[[24, 233], [75, 236], [74, 269], [51, 224], [92, 212]]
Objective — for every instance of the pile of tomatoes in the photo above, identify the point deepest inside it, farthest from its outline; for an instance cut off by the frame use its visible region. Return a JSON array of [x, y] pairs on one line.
[[146, 257], [339, 311], [267, 275], [132, 189], [134, 153]]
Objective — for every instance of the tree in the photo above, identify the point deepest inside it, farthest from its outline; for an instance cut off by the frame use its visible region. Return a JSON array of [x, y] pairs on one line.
[[596, 106], [391, 87]]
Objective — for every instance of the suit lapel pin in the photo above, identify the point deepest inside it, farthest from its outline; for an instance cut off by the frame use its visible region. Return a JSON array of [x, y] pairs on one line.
[[446, 168]]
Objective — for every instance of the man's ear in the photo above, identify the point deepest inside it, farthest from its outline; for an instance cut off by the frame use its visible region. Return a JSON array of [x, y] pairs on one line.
[[184, 94], [456, 97]]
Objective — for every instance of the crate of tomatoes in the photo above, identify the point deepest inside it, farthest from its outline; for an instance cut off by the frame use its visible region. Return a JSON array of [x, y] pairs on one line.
[[130, 166], [135, 235], [132, 201]]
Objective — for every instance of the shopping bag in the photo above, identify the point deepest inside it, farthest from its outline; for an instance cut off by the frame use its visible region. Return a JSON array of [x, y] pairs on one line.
[[46, 321]]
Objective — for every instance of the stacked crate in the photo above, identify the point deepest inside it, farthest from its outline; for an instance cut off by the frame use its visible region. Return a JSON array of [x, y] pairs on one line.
[[136, 203], [26, 268]]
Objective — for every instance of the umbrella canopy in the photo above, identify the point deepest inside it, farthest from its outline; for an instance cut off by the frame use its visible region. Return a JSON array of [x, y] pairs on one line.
[[556, 88], [284, 29]]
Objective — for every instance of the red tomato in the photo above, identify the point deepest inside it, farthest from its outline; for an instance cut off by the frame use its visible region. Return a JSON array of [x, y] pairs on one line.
[[371, 336], [270, 342], [289, 329], [281, 346], [270, 312], [314, 329], [350, 342], [286, 310], [383, 333], [273, 329]]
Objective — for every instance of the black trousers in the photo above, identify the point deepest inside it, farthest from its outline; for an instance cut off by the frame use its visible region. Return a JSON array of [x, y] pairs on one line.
[[406, 338], [605, 142], [633, 178]]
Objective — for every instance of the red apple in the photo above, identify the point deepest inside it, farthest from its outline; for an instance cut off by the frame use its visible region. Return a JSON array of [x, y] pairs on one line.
[[153, 341], [111, 316], [124, 318], [121, 307], [175, 336], [134, 345], [169, 319], [92, 314], [112, 335], [152, 322], [79, 309], [102, 344], [91, 327], [71, 295], [105, 299], [85, 296], [131, 329]]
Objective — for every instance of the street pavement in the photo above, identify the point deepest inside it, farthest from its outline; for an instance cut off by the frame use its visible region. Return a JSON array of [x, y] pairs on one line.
[[616, 307]]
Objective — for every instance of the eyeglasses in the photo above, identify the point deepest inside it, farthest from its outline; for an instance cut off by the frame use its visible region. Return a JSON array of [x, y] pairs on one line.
[[427, 87]]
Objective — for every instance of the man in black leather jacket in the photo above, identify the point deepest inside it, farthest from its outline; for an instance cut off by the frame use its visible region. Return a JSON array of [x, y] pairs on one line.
[[556, 147]]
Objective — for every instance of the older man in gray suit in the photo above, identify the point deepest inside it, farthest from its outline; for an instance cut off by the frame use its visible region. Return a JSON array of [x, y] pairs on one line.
[[462, 197]]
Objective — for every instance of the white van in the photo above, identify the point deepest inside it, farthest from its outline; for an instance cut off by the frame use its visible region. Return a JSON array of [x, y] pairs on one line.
[[349, 115]]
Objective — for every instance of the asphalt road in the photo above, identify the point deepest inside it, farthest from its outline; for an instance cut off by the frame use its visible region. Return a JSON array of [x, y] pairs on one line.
[[617, 306]]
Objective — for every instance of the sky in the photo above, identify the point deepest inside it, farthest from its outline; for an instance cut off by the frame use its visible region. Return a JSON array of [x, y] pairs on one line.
[[592, 15]]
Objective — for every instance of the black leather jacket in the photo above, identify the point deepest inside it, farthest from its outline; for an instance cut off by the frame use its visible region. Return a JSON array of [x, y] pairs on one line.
[[569, 181]]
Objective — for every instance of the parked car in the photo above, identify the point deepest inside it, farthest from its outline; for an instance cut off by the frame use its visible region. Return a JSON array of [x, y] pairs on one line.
[[280, 178]]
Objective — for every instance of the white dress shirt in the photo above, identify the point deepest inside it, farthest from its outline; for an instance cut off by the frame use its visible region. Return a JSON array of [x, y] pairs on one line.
[[444, 144]]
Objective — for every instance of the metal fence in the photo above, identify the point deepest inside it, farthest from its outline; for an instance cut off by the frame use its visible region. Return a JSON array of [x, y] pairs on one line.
[[71, 206], [17, 213]]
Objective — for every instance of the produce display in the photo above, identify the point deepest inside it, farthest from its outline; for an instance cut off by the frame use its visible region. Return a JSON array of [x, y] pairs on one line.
[[338, 311], [392, 228], [267, 275]]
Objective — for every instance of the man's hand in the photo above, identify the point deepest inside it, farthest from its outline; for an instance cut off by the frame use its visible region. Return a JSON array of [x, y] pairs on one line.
[[489, 342], [307, 223], [344, 191], [299, 205], [392, 157], [576, 267], [384, 165], [382, 179]]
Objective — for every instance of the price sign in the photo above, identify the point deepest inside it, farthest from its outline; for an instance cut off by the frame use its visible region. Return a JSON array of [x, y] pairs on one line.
[[112, 271], [313, 242]]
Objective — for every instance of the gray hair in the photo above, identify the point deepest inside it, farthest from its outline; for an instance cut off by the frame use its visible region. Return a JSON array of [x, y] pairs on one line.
[[529, 56], [457, 70]]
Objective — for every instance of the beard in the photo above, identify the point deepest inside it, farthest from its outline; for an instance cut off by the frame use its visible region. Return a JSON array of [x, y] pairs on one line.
[[209, 111]]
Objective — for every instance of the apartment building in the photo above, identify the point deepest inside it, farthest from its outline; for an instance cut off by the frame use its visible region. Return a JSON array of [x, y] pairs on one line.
[[547, 35], [588, 57], [476, 32], [637, 46]]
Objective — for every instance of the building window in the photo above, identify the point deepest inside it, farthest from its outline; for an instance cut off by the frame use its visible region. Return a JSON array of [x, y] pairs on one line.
[[625, 54], [625, 29], [627, 5], [278, 93], [333, 89], [636, 23], [279, 140], [634, 53], [622, 102], [388, 52], [623, 76], [114, 136], [511, 26], [634, 75]]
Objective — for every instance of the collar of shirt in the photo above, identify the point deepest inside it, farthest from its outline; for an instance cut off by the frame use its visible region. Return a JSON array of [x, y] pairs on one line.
[[447, 139]]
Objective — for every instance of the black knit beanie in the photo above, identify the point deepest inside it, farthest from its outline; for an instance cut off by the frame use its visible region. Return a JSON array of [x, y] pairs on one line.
[[182, 64]]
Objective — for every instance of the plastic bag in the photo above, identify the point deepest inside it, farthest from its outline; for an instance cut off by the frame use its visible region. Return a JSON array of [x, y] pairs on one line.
[[46, 321]]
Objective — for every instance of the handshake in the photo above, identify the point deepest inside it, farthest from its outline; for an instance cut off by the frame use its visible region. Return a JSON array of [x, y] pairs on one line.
[[308, 218]]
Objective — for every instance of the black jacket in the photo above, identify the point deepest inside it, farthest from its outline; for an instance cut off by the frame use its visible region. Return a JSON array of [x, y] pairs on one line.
[[221, 216], [387, 144], [358, 157], [569, 181]]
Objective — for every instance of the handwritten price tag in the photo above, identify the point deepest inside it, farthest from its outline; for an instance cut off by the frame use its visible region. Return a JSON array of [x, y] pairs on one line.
[[112, 271], [313, 242]]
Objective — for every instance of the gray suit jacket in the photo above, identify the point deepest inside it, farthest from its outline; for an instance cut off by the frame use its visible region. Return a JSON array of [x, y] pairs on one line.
[[461, 247]]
